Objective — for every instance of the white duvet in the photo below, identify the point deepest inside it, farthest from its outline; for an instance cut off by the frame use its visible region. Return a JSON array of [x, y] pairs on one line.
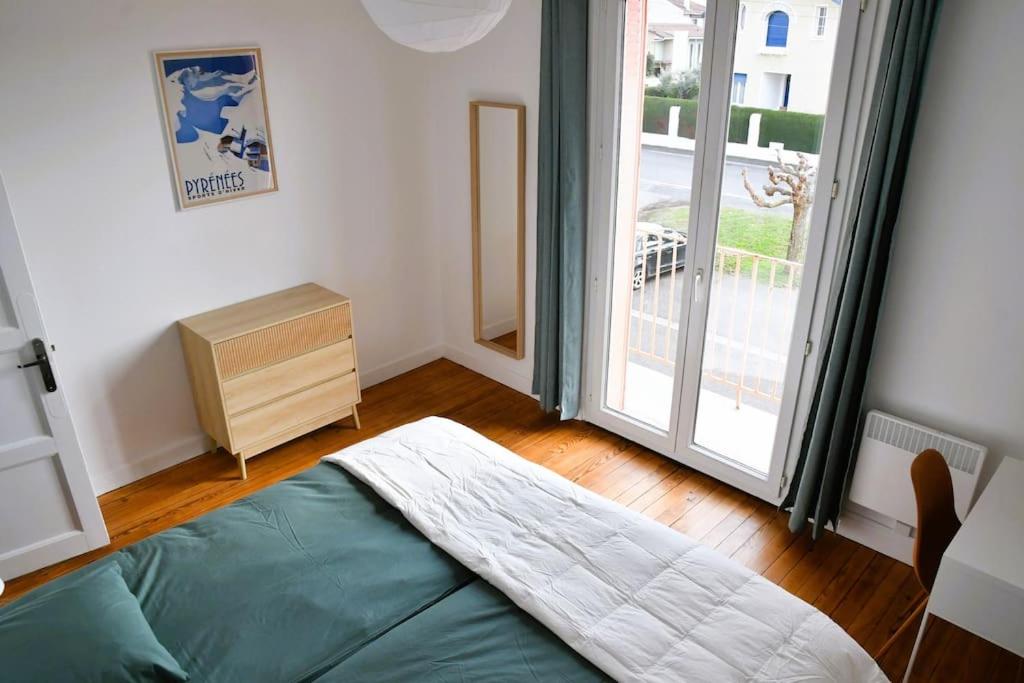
[[638, 599]]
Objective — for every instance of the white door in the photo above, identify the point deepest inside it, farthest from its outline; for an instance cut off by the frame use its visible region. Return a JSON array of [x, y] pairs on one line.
[[773, 90], [48, 509]]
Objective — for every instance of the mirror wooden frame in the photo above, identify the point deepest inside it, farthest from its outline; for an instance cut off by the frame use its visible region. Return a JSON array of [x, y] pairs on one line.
[[520, 266]]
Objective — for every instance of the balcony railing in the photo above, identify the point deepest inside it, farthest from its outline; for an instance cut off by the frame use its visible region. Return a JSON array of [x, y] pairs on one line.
[[753, 301], [655, 310], [752, 304]]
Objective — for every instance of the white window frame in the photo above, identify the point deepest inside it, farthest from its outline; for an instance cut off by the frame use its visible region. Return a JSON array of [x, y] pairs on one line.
[[605, 99], [767, 28], [735, 83], [696, 47], [820, 21]]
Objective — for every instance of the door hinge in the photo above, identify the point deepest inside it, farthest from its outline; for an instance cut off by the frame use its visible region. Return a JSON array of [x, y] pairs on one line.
[[835, 188], [782, 484], [863, 5], [808, 346]]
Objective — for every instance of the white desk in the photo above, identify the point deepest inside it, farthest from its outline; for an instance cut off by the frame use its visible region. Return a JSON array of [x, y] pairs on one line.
[[980, 584]]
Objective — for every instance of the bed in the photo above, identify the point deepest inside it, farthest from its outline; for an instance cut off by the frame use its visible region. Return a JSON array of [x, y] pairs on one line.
[[329, 576]]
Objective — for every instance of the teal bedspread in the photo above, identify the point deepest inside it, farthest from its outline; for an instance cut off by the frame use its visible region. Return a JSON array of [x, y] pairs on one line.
[[317, 578], [474, 634]]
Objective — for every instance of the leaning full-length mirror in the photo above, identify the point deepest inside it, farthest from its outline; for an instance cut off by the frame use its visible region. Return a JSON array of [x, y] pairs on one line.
[[498, 186]]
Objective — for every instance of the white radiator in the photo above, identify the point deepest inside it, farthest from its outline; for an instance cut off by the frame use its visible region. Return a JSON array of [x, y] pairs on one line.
[[881, 478]]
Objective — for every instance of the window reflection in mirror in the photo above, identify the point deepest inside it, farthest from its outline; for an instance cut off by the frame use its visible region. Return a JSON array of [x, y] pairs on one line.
[[497, 151]]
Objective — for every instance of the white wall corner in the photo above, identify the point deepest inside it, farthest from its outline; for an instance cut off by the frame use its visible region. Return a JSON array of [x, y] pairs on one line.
[[495, 369], [382, 373]]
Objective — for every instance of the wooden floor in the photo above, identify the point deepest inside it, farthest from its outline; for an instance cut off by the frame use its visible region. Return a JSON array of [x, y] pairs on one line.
[[866, 593], [509, 340]]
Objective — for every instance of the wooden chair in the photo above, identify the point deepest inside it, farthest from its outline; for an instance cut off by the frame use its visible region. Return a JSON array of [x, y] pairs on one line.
[[937, 523]]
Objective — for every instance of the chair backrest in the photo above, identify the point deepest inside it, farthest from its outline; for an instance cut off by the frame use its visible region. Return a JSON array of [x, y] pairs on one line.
[[937, 522]]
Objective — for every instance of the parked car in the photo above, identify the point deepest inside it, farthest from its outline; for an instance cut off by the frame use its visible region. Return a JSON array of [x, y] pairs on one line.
[[652, 240]]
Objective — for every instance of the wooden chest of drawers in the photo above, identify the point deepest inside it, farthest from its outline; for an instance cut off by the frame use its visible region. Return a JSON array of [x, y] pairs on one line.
[[273, 368]]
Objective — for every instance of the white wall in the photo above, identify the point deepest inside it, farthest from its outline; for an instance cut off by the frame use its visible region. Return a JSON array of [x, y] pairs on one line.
[[503, 67], [378, 208], [83, 154], [807, 57], [949, 348]]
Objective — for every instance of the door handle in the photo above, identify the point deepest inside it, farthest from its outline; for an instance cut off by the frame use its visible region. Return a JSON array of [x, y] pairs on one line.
[[42, 361]]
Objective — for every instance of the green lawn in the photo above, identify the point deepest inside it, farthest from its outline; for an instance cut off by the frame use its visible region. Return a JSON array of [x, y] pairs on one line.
[[759, 232]]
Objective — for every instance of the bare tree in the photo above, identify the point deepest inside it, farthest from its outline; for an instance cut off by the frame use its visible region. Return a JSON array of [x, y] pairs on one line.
[[789, 183]]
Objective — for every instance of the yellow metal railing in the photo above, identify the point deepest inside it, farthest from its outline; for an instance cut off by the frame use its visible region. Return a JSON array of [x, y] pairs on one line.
[[752, 305]]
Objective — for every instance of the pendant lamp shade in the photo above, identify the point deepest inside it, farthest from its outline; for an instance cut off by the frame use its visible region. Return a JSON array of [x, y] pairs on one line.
[[436, 25]]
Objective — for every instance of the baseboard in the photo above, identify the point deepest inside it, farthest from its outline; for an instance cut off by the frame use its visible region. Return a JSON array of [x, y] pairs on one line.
[[492, 368], [196, 445], [382, 373], [133, 471], [876, 536]]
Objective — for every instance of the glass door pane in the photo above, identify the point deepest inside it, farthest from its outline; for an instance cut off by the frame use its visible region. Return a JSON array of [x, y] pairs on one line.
[[779, 85], [662, 58]]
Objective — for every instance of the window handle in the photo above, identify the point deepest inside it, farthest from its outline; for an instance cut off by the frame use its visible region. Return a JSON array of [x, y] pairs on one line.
[[698, 285]]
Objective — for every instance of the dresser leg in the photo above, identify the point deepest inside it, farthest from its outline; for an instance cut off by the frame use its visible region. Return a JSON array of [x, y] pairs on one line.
[[355, 417], [241, 465]]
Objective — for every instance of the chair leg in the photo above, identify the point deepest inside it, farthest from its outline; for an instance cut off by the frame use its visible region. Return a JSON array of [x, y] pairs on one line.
[[917, 646], [903, 628]]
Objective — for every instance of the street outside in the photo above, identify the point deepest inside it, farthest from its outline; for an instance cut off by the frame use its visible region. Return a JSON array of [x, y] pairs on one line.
[[666, 175]]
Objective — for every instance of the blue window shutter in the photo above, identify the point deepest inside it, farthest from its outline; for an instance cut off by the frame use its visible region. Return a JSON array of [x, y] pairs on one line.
[[778, 29]]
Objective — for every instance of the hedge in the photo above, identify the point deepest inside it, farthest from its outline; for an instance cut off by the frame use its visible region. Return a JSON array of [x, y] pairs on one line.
[[797, 131], [656, 110]]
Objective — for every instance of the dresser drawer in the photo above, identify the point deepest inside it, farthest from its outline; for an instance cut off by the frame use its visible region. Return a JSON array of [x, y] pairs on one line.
[[266, 384], [283, 340], [260, 423]]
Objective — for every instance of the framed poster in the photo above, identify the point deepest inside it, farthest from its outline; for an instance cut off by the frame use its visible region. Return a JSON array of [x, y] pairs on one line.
[[218, 129]]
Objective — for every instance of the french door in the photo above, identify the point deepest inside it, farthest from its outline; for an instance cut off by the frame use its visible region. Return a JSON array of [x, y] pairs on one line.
[[714, 171]]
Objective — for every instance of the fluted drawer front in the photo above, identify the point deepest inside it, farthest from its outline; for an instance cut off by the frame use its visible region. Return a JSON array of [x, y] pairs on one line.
[[282, 341], [260, 423], [280, 379]]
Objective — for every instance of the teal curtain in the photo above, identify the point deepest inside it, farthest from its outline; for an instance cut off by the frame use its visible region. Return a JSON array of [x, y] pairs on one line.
[[561, 206], [830, 439]]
